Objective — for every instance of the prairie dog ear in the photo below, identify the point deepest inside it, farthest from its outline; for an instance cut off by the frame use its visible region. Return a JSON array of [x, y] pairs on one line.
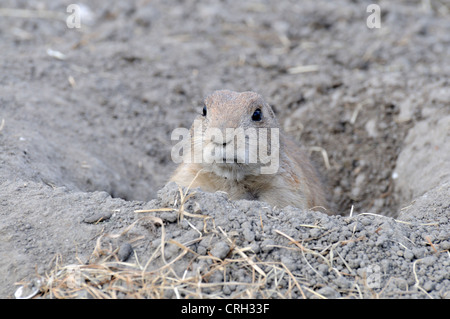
[[274, 109], [271, 111], [257, 100]]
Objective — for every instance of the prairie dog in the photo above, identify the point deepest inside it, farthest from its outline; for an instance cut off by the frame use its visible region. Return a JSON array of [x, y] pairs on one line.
[[281, 175]]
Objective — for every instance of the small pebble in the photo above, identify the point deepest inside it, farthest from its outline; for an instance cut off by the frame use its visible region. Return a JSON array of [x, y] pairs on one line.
[[97, 218], [125, 251], [220, 250]]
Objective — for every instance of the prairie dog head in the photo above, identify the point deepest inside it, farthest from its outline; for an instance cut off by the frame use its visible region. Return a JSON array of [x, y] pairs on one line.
[[238, 134]]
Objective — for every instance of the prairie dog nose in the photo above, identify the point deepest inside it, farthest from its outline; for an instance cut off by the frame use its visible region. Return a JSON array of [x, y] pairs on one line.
[[219, 137]]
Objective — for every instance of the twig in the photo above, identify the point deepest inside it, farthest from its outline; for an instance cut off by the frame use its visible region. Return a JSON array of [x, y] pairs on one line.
[[241, 253], [303, 248], [428, 239], [155, 210], [398, 221], [303, 69], [417, 279], [324, 154]]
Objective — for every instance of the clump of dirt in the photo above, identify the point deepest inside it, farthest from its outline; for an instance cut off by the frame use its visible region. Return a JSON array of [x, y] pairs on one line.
[[86, 117]]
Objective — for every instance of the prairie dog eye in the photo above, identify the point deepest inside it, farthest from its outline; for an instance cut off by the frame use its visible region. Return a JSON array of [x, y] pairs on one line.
[[257, 115], [204, 110]]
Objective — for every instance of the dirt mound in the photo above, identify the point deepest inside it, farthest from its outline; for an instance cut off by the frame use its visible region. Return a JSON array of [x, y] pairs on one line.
[[85, 122]]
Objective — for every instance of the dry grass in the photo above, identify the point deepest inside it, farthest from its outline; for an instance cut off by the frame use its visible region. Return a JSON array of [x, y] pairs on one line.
[[178, 276], [107, 277], [184, 273]]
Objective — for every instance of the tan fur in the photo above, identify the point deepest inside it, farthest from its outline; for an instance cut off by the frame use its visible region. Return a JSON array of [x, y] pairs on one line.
[[295, 183]]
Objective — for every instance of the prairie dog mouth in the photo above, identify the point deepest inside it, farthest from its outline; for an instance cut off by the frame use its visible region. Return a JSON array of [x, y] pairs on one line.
[[225, 160], [233, 171]]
